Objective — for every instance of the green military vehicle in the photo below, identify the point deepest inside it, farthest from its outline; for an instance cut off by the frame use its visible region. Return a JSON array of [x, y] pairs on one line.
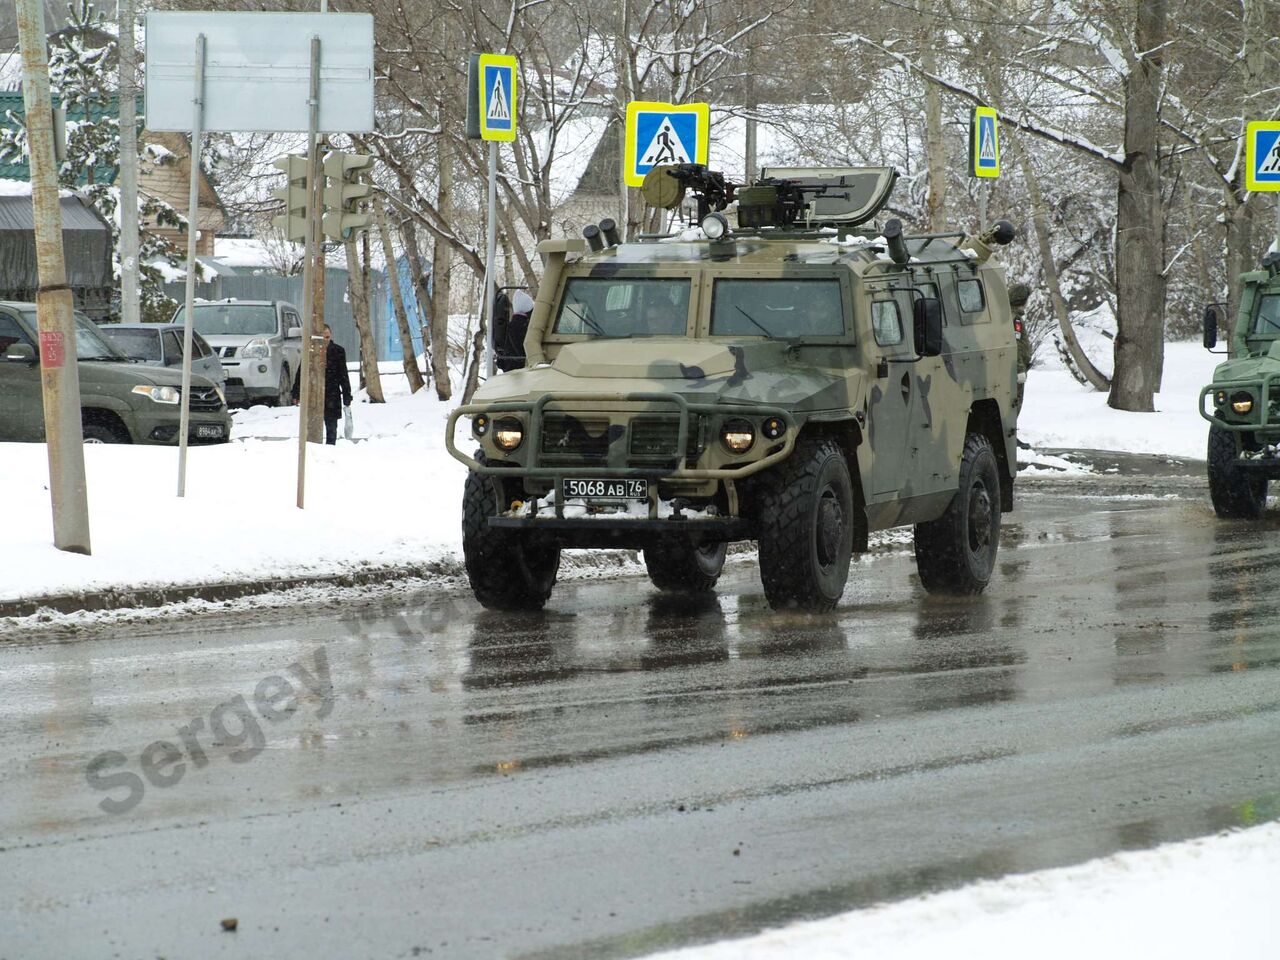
[[801, 381], [1244, 425]]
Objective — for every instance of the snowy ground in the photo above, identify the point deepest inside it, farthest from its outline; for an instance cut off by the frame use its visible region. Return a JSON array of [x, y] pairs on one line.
[[1213, 897], [390, 499]]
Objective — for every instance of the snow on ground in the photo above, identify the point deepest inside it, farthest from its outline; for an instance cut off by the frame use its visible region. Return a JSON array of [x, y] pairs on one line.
[[389, 499], [1213, 897], [1059, 412]]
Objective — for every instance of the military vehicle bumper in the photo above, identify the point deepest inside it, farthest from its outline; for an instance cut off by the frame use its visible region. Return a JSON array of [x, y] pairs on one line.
[[532, 452], [1265, 415]]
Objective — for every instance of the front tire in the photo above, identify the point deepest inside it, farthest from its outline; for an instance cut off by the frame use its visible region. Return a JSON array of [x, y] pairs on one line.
[[507, 571], [1236, 494], [806, 528], [677, 565], [956, 553], [95, 431]]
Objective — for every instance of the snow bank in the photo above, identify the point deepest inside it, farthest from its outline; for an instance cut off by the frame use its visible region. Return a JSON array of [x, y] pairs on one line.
[[1207, 898], [389, 499], [1059, 412]]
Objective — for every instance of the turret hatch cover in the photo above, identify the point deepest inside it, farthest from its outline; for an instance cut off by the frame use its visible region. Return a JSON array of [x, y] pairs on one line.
[[854, 194]]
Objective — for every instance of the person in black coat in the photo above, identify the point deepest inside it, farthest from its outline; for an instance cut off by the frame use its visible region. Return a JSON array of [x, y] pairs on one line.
[[337, 386]]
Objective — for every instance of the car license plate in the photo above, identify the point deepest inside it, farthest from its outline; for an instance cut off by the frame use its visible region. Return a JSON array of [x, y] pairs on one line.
[[589, 488], [210, 430]]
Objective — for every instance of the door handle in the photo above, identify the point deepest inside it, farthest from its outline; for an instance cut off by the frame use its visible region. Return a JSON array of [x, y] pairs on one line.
[[906, 386]]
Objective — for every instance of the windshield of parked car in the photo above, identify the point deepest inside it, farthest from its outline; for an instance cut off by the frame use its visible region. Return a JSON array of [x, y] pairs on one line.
[[90, 344], [232, 319], [782, 309], [142, 344], [1266, 317], [625, 307]]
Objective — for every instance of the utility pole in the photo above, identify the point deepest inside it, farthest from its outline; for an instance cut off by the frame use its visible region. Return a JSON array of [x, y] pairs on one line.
[[59, 373], [128, 52]]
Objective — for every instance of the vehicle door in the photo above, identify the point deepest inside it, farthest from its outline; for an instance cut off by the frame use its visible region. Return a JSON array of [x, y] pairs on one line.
[[21, 399], [942, 404], [207, 363], [292, 346], [892, 394]]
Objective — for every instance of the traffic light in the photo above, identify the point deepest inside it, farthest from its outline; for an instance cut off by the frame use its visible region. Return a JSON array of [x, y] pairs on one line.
[[294, 194], [343, 193]]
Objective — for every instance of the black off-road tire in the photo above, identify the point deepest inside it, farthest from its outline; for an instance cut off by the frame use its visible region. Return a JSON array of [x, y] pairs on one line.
[[956, 553], [1236, 494], [96, 431], [806, 515], [677, 565], [506, 570]]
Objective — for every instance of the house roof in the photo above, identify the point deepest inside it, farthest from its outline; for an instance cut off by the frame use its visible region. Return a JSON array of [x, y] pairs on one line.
[[12, 113], [15, 214]]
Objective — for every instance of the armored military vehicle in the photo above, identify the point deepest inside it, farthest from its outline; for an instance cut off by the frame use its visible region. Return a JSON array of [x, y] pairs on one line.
[[801, 381], [1244, 415]]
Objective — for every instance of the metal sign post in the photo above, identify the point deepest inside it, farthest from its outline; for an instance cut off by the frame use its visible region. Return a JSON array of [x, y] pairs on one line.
[[59, 372], [308, 268], [193, 230], [491, 116]]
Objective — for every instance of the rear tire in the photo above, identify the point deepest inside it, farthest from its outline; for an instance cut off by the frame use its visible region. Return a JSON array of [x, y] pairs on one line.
[[956, 553], [677, 565], [1236, 494], [805, 508], [507, 571], [285, 394]]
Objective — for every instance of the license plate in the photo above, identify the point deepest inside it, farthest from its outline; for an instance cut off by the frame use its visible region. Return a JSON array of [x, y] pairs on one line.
[[592, 489], [208, 430]]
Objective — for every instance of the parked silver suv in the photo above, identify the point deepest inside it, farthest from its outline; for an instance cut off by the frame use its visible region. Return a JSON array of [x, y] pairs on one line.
[[259, 343]]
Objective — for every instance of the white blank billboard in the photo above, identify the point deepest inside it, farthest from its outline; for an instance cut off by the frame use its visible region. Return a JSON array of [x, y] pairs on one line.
[[258, 71]]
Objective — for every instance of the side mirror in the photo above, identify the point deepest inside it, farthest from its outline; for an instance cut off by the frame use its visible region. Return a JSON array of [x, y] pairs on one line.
[[20, 353], [1212, 318], [293, 333], [927, 320]]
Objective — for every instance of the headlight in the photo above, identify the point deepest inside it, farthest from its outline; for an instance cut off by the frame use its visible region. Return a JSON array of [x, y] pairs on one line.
[[221, 396], [773, 428], [257, 349], [508, 434], [1241, 402], [159, 394], [738, 436], [715, 226], [1220, 398], [479, 425]]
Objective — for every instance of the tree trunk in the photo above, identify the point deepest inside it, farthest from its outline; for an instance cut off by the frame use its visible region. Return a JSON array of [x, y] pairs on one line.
[[1140, 282], [411, 372], [360, 310], [422, 293], [1040, 223], [441, 279], [935, 145]]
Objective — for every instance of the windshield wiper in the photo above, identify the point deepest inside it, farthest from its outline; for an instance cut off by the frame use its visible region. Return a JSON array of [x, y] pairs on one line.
[[109, 358], [767, 332], [590, 323]]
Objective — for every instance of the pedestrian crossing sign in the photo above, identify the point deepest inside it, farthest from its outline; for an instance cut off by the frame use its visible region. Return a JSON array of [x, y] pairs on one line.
[[663, 133], [497, 76], [1262, 155], [984, 143]]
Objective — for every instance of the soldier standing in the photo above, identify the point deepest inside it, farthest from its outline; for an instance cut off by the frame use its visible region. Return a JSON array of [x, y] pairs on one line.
[[1019, 294]]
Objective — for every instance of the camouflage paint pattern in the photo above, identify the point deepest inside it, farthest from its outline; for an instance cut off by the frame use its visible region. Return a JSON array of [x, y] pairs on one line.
[[902, 420]]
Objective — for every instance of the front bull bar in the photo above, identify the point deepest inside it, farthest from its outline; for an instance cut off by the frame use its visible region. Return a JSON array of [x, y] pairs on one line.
[[535, 408], [1263, 387]]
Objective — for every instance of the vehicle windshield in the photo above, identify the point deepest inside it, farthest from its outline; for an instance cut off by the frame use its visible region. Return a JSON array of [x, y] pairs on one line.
[[1266, 316], [232, 319], [141, 344], [90, 344], [625, 307], [782, 309]]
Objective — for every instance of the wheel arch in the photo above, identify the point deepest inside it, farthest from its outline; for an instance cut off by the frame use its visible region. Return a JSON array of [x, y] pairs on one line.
[[985, 420], [848, 435], [107, 418]]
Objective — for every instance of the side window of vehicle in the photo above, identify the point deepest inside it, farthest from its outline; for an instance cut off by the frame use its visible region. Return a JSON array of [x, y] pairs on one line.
[[972, 300], [291, 320], [886, 322], [200, 348], [11, 333], [172, 347]]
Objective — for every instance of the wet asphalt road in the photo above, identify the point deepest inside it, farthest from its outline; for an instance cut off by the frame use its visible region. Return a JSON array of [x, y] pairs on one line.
[[628, 772]]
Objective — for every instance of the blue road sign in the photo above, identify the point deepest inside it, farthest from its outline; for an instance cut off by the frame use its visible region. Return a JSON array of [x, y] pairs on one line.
[[497, 97], [1262, 155], [663, 133]]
